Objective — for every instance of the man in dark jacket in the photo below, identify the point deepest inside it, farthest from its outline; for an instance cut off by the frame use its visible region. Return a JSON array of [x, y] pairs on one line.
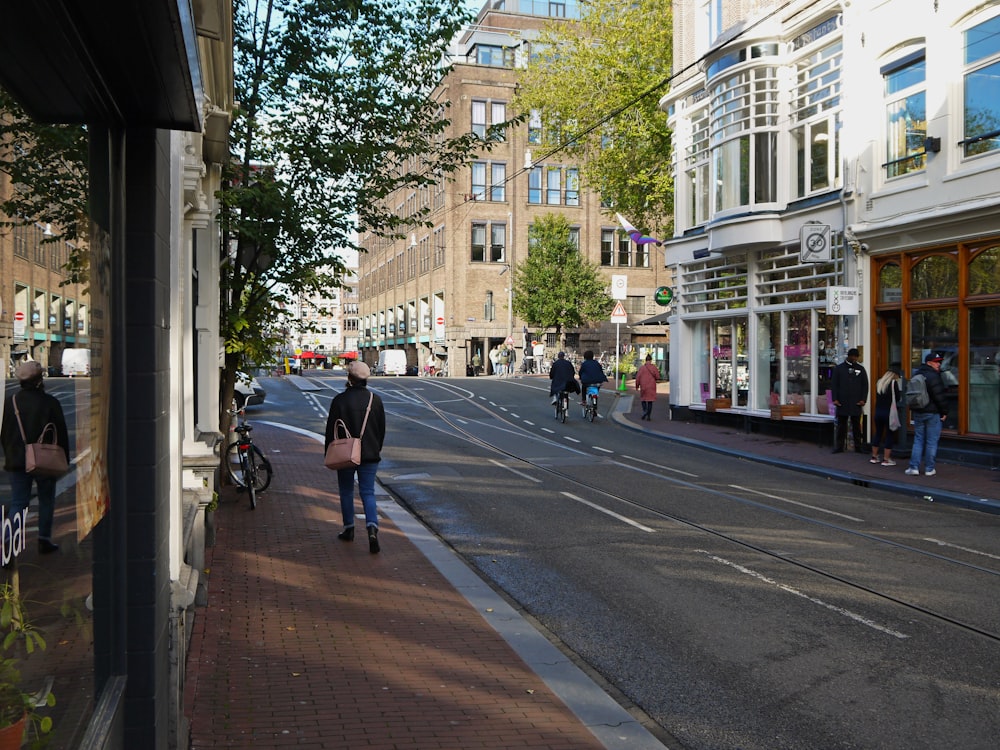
[[562, 376], [850, 392], [37, 409], [928, 420], [352, 406]]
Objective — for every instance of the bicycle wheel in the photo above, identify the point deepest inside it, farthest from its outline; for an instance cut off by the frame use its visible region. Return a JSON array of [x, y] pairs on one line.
[[592, 409], [250, 472], [563, 408], [236, 471], [261, 469]]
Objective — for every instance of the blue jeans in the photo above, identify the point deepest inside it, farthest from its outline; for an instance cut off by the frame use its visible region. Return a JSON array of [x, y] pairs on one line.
[[926, 434], [366, 487], [20, 491]]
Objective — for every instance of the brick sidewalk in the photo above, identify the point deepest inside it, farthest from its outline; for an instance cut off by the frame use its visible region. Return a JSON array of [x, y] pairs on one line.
[[311, 642]]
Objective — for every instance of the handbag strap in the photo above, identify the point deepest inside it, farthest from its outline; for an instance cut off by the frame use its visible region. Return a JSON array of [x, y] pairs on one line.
[[371, 397], [17, 412]]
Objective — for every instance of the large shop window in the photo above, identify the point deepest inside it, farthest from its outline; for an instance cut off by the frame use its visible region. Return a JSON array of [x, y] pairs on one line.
[[937, 330], [905, 115], [797, 351], [982, 88], [984, 370]]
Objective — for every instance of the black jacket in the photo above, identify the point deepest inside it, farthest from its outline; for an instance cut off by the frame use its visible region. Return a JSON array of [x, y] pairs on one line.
[[849, 385], [563, 378], [37, 409], [935, 389], [350, 406]]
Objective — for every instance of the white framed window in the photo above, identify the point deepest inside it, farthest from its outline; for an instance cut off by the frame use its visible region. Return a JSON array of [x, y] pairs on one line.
[[815, 133], [981, 82], [696, 168], [905, 114], [486, 114]]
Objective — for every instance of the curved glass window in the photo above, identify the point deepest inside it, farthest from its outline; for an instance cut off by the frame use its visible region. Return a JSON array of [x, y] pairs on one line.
[[984, 272], [890, 283], [934, 277]]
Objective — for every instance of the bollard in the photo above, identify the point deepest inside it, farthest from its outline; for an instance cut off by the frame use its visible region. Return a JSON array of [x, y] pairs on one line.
[[622, 386]]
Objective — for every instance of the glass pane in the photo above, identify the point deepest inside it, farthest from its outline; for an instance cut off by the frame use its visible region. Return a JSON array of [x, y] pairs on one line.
[[798, 357], [909, 75], [982, 40], [984, 272], [935, 277], [907, 128], [937, 330], [890, 283], [826, 355], [767, 380], [982, 116], [722, 355], [984, 370]]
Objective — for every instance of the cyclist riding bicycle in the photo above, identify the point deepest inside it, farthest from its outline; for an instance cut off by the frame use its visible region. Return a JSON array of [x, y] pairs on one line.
[[562, 377], [591, 373]]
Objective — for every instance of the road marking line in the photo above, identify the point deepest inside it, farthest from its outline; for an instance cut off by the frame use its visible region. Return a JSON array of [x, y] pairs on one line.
[[660, 466], [572, 439], [611, 513], [963, 549], [599, 448], [514, 471], [532, 424], [796, 502], [551, 431], [789, 589]]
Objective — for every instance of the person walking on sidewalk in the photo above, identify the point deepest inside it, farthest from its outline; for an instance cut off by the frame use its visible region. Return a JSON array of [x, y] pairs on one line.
[[37, 409], [645, 381], [850, 392], [351, 406], [928, 420], [888, 392]]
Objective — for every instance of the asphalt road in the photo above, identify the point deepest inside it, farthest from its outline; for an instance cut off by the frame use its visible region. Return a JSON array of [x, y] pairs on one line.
[[735, 604]]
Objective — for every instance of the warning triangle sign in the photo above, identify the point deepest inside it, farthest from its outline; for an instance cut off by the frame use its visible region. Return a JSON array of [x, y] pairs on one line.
[[618, 312]]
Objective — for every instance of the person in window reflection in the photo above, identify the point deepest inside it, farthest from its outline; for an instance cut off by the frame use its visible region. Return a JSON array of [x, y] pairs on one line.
[[850, 392]]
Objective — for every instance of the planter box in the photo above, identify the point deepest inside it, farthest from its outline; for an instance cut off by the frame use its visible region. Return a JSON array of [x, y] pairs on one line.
[[714, 404], [785, 410]]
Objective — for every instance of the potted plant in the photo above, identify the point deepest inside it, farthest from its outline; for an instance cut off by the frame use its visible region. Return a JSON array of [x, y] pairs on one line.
[[17, 707]]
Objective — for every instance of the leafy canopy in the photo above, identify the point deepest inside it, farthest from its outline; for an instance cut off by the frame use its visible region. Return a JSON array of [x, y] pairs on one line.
[[336, 115], [556, 287], [596, 85]]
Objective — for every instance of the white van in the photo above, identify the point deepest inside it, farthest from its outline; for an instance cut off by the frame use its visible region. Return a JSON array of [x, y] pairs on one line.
[[391, 362], [76, 362]]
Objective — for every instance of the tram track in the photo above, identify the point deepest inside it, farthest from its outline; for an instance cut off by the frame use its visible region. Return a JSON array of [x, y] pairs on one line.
[[730, 493]]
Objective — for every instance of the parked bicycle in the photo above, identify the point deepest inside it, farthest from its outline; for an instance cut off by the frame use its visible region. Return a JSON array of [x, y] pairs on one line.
[[246, 464], [590, 403]]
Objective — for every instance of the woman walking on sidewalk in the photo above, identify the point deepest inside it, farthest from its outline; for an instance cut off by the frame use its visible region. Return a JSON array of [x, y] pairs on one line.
[[352, 406], [645, 381]]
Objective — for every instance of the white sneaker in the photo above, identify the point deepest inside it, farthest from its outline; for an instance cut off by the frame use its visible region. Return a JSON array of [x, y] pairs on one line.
[[912, 472], [930, 473]]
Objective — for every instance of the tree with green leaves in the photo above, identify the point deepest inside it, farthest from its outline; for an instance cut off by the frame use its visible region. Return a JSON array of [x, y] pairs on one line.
[[336, 116], [47, 169], [596, 84], [556, 287]]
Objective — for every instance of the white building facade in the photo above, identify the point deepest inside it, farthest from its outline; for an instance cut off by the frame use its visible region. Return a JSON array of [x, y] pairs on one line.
[[835, 188]]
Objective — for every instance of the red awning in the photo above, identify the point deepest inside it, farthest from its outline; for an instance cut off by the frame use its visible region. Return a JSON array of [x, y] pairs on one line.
[[307, 355]]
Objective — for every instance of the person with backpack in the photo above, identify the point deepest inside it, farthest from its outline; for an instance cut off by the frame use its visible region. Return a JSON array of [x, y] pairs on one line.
[[926, 398], [850, 392]]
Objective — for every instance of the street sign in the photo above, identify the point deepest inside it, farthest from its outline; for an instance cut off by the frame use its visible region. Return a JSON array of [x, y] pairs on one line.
[[19, 316], [618, 314], [664, 296], [619, 287]]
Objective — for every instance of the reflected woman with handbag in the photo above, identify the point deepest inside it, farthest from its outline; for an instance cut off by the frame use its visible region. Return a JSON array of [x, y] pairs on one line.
[[361, 412], [33, 421]]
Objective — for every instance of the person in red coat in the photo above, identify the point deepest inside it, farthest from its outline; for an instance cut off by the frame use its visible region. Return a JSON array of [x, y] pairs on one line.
[[645, 381]]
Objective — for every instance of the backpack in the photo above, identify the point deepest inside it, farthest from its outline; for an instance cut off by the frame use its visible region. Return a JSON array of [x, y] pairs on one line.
[[916, 392]]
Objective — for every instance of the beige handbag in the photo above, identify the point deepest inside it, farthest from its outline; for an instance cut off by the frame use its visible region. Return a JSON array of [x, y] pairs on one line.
[[43, 458], [344, 451]]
